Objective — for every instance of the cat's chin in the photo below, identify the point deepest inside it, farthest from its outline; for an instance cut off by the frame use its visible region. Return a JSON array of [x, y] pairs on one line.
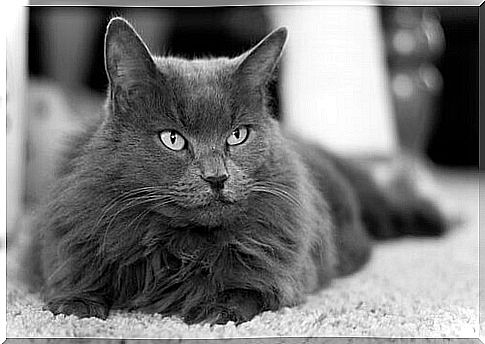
[[215, 214], [212, 201]]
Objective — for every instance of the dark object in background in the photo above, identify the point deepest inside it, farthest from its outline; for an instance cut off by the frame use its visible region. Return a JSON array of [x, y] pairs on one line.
[[454, 140], [221, 31], [433, 63], [414, 41]]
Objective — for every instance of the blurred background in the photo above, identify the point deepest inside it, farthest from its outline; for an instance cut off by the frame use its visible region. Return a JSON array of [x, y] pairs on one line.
[[369, 82]]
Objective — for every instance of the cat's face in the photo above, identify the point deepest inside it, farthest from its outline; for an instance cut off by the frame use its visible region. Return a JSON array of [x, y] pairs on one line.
[[198, 131]]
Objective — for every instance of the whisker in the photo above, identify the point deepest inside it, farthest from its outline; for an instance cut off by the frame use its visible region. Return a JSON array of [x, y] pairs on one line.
[[281, 194], [119, 199], [139, 218], [140, 200]]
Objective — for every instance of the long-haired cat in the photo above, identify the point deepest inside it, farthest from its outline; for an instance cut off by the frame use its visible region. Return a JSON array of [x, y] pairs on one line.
[[190, 200]]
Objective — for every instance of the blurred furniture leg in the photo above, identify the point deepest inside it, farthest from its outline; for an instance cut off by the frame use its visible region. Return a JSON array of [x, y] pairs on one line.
[[16, 26]]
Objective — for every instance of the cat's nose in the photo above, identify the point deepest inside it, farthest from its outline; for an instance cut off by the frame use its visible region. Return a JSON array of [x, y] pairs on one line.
[[213, 169], [216, 181]]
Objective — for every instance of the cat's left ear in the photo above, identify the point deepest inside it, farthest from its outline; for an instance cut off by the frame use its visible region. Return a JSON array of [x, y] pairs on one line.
[[128, 61], [258, 64]]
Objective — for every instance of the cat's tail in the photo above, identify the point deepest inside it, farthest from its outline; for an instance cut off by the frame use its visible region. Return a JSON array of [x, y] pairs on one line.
[[395, 204]]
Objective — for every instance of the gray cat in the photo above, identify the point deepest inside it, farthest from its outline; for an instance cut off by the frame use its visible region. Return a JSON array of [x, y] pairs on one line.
[[189, 199]]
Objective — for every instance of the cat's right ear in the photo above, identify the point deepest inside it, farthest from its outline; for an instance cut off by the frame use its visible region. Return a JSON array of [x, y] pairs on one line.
[[128, 61]]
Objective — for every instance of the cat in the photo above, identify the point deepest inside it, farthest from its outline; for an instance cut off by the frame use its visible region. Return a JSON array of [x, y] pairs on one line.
[[189, 199]]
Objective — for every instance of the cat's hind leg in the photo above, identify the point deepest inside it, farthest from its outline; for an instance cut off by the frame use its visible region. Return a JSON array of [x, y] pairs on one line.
[[396, 207]]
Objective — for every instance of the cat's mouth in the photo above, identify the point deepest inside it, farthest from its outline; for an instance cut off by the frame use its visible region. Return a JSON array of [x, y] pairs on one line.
[[217, 208], [216, 199], [217, 204], [210, 202]]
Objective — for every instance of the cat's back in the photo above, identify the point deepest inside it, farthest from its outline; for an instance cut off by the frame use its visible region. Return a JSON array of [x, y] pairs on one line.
[[327, 172], [318, 161]]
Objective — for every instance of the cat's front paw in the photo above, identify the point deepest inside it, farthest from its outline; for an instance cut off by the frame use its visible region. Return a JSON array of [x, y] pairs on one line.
[[235, 305], [82, 308], [218, 315]]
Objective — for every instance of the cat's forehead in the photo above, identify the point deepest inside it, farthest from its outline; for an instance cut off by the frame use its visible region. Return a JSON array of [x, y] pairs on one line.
[[197, 69], [202, 91]]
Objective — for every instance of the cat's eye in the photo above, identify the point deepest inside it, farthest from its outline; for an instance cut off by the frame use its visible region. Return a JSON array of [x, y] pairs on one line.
[[238, 136], [172, 140]]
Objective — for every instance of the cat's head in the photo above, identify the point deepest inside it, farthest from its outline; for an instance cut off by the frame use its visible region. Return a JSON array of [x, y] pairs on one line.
[[198, 131]]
